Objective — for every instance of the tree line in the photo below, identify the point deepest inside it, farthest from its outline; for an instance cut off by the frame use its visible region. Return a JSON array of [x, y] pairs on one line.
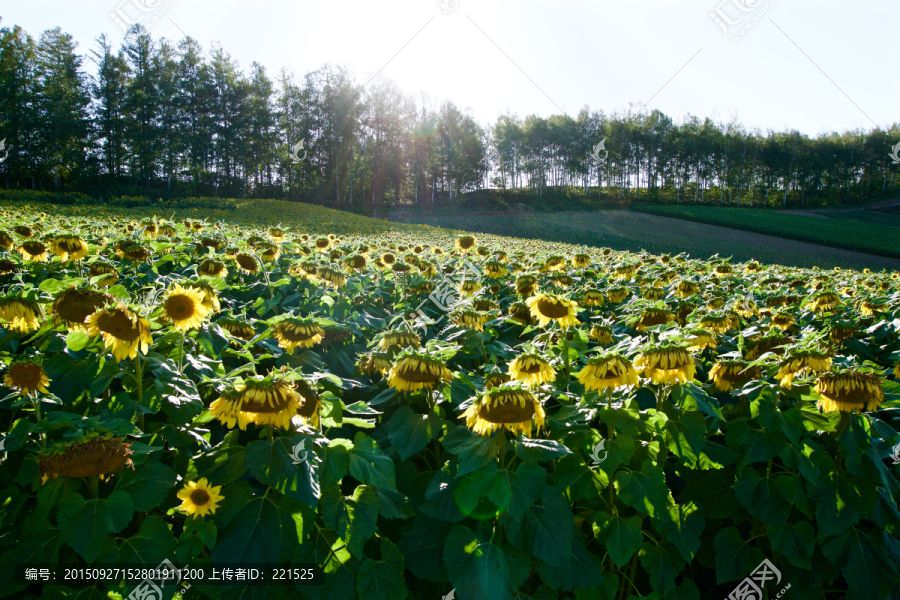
[[163, 119]]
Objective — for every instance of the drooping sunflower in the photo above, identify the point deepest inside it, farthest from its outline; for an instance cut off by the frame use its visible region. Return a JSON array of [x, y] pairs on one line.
[[494, 269], [520, 313], [783, 321], [803, 360], [28, 376], [212, 268], [546, 308], [6, 241], [247, 263], [469, 318], [400, 339], [728, 374], [698, 339], [469, 287], [416, 370], [209, 294], [23, 315], [374, 362], [199, 499], [309, 405], [607, 370], [295, 332], [495, 378], [653, 317], [823, 301], [593, 298], [34, 251], [666, 363], [124, 332], [617, 294], [270, 400], [465, 243], [331, 277], [238, 328], [526, 284], [531, 367], [184, 307], [849, 390], [96, 455], [8, 266], [69, 247], [105, 273], [73, 306], [602, 334], [581, 260], [687, 288], [507, 406], [716, 322]]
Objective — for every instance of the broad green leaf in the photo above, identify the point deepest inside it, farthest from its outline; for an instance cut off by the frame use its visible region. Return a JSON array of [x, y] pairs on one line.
[[224, 463], [862, 558], [546, 528], [410, 432], [539, 450], [147, 485], [795, 541], [581, 569], [474, 451], [353, 518], [273, 464], [735, 558], [769, 499], [252, 535], [425, 542], [382, 579], [643, 490], [840, 503], [85, 524], [663, 564], [478, 569], [620, 537], [370, 465], [682, 525], [153, 543], [77, 340], [685, 437]]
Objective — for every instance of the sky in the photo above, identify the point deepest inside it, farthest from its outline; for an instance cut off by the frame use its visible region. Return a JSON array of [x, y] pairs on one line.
[[815, 66]]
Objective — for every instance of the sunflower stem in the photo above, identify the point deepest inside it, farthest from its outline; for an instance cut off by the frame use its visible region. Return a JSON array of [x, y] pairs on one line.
[[565, 336], [269, 432], [94, 485], [138, 376], [181, 354]]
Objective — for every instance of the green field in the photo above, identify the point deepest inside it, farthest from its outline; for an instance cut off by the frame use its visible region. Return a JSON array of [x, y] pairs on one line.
[[634, 231], [865, 216], [849, 234]]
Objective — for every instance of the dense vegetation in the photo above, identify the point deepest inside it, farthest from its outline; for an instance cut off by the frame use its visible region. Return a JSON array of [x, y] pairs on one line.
[[868, 237], [166, 118], [587, 424]]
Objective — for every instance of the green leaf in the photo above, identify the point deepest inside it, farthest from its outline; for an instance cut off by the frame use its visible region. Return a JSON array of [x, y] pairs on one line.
[[85, 524], [77, 340], [225, 462], [53, 493], [682, 525], [840, 504], [769, 499], [662, 563], [795, 541], [352, 518], [621, 537], [150, 546], [713, 491], [735, 558], [147, 485], [539, 450], [273, 464], [525, 484], [252, 535], [474, 451], [370, 465], [581, 569], [410, 432], [686, 438], [335, 462], [862, 559], [546, 529], [643, 490], [425, 542], [383, 579], [478, 570]]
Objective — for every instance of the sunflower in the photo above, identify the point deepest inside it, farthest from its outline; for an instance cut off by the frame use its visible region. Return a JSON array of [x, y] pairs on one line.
[[105, 272], [374, 362], [848, 390], [237, 328], [210, 296], [399, 339], [472, 319], [270, 400], [520, 313], [617, 294], [124, 332], [698, 339], [294, 332], [212, 268], [546, 308], [276, 234], [27, 376], [322, 244], [608, 370], [508, 406], [34, 251], [593, 298], [823, 301], [331, 277], [531, 367], [494, 269], [6, 242], [247, 263], [356, 262], [495, 379], [198, 498], [465, 243], [769, 343], [73, 306], [416, 370], [653, 317], [717, 322], [69, 247], [469, 287], [727, 374], [309, 405], [802, 360], [602, 334], [581, 260], [136, 253], [95, 456], [666, 363], [555, 263], [23, 315], [686, 288], [783, 321], [184, 307], [841, 332]]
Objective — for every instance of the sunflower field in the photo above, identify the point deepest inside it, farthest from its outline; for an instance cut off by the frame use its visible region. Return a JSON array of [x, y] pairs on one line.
[[407, 412]]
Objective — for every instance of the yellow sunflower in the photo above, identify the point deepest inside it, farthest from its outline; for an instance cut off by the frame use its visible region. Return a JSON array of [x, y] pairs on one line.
[[69, 247], [34, 251], [508, 406], [728, 374], [198, 498], [800, 361], [465, 243], [602, 334], [416, 370], [666, 363], [546, 308], [184, 307], [532, 368], [73, 306], [609, 370], [124, 332], [399, 339], [653, 317], [23, 315], [270, 400], [212, 268], [297, 333], [27, 376], [847, 391]]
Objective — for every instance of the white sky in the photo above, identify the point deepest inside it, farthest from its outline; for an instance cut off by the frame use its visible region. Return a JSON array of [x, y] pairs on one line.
[[605, 53]]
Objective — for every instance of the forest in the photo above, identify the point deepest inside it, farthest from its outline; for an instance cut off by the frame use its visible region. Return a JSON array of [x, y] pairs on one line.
[[163, 119]]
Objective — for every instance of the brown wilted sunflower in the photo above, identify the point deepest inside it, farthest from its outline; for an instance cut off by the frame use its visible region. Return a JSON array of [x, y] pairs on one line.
[[94, 457], [27, 376], [73, 306]]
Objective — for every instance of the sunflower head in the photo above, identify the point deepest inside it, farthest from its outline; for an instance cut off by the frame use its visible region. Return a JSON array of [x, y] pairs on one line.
[[617, 294], [531, 367], [602, 334], [800, 361], [593, 298], [607, 370], [666, 362], [69, 247], [238, 328], [374, 362], [546, 308], [416, 370], [27, 376], [295, 332], [399, 338], [247, 263], [270, 400], [848, 390], [212, 268], [123, 331], [653, 317], [92, 455], [465, 242], [728, 374], [520, 313], [199, 499], [34, 251], [184, 307], [73, 306], [508, 406], [22, 314], [469, 318]]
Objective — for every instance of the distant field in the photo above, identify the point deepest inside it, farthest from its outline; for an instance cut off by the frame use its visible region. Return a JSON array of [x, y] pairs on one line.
[[628, 230], [866, 216], [855, 235]]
